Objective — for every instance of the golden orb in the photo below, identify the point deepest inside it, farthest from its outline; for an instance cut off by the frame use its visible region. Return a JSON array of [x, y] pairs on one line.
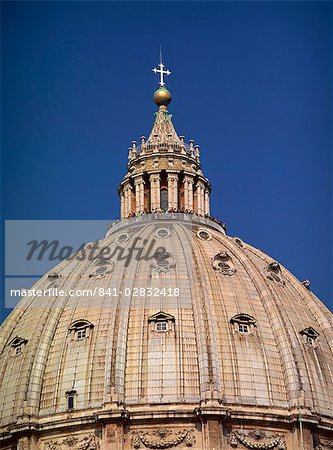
[[162, 96]]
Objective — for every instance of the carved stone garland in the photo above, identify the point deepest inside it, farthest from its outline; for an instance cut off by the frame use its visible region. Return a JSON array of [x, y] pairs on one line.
[[90, 442], [162, 438], [54, 279], [164, 261], [257, 440], [103, 268], [322, 444], [273, 273]]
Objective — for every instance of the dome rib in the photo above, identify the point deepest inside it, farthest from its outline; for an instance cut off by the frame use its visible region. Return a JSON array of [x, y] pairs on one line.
[[303, 357], [237, 253], [267, 300], [212, 370]]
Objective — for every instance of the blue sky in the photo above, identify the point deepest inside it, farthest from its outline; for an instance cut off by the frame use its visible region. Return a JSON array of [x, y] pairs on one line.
[[251, 83]]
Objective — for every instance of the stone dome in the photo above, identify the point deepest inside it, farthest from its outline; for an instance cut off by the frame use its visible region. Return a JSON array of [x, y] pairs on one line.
[[167, 333], [243, 339]]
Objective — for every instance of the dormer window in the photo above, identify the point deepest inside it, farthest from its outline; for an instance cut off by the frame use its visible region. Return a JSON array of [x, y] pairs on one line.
[[17, 345], [310, 336], [80, 329], [71, 399], [161, 322], [243, 324]]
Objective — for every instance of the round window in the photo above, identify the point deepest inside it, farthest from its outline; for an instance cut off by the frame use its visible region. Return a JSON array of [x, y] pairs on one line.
[[204, 235], [162, 233], [124, 237], [238, 242]]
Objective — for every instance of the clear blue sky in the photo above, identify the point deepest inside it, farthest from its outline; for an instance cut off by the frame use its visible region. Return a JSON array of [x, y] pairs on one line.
[[251, 83]]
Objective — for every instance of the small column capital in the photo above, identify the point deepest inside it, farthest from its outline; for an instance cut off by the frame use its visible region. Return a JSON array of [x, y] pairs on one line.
[[188, 179], [138, 180], [127, 186], [172, 176], [155, 177]]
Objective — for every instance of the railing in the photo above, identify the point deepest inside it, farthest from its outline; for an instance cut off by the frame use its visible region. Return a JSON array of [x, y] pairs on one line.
[[163, 145], [180, 217]]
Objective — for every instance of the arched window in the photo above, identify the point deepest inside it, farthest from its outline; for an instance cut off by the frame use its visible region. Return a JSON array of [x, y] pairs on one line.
[[164, 198], [17, 345], [244, 324], [81, 329]]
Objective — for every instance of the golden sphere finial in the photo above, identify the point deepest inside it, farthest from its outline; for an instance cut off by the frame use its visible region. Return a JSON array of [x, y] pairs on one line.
[[162, 97]]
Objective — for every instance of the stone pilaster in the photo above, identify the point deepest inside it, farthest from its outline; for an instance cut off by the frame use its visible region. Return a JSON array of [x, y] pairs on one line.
[[207, 206], [139, 194], [172, 190], [188, 192], [142, 196], [125, 201], [214, 435], [155, 191], [113, 437], [200, 197], [122, 204], [27, 443], [128, 199]]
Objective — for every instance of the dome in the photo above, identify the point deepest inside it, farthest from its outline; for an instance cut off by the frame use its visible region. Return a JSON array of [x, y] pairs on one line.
[[168, 332], [242, 337]]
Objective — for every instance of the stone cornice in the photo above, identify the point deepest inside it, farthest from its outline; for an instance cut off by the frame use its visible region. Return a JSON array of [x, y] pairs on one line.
[[142, 413]]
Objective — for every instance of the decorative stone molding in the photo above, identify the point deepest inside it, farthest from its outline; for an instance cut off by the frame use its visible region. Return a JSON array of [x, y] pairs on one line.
[[172, 178], [103, 267], [53, 276], [273, 273], [122, 238], [91, 442], [155, 178], [54, 279], [306, 283], [164, 262], [23, 444], [310, 336], [162, 438], [257, 439], [223, 263], [322, 444]]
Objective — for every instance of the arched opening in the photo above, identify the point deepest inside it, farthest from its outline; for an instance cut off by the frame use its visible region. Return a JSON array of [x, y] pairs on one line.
[[164, 203], [164, 198]]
